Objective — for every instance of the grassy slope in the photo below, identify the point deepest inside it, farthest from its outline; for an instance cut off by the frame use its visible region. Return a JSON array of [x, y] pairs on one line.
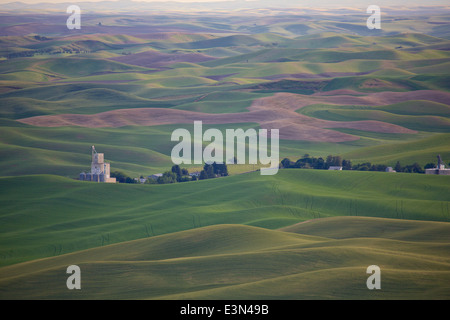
[[414, 114], [64, 151], [422, 151], [48, 215], [244, 262]]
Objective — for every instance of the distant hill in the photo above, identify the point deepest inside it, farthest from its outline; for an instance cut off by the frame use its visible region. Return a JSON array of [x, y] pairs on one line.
[[155, 59]]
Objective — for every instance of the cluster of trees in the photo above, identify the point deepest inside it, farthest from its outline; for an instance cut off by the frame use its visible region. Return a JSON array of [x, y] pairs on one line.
[[367, 166], [41, 38], [411, 168], [308, 162], [178, 174], [122, 177], [47, 51], [415, 167], [213, 170]]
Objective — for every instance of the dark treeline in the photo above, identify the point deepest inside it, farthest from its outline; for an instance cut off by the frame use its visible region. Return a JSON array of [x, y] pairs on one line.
[[122, 177], [308, 162], [32, 53], [213, 170], [178, 174]]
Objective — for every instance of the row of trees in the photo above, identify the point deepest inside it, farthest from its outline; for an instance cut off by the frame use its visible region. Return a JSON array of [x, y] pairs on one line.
[[213, 170], [122, 177], [178, 174], [308, 162]]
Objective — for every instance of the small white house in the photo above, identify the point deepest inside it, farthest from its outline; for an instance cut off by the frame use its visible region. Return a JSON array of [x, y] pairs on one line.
[[335, 168]]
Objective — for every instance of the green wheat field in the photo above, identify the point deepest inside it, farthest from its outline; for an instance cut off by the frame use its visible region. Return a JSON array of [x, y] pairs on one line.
[[132, 75]]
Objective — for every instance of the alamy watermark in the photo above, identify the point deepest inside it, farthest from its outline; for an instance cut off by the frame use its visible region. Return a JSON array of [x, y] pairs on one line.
[[374, 21], [190, 149], [74, 20], [73, 281], [374, 281]]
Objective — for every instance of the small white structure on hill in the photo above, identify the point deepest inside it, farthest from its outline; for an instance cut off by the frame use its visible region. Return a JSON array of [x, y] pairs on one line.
[[440, 169], [100, 170], [140, 180], [335, 168], [389, 169], [196, 174]]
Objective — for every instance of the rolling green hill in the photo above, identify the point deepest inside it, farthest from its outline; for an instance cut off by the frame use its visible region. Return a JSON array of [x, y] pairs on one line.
[[244, 262], [43, 216], [64, 151], [73, 67], [406, 152], [300, 234], [414, 114]]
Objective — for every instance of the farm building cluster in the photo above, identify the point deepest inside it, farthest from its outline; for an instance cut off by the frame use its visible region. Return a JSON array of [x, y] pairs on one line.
[[100, 170]]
